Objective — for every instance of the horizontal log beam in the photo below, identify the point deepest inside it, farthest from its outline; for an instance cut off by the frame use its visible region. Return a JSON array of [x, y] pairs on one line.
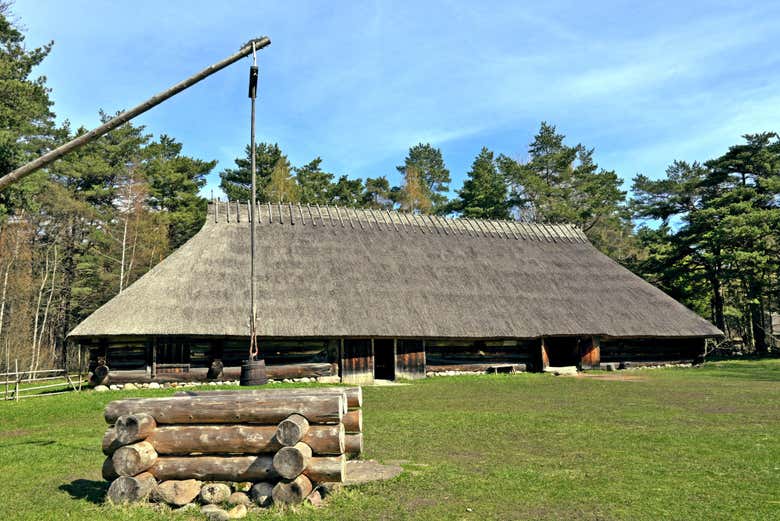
[[214, 468], [230, 409], [354, 394], [240, 439]]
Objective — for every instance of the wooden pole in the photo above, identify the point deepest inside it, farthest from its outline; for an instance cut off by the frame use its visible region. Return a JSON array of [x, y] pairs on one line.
[[124, 117], [16, 385]]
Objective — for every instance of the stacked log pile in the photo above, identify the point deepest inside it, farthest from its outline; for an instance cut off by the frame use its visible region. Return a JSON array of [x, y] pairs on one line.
[[282, 444]]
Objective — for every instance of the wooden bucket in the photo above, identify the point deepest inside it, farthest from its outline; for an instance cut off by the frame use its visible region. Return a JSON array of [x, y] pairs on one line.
[[253, 373]]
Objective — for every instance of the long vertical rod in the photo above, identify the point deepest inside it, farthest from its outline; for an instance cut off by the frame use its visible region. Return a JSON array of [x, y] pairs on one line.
[[253, 350]]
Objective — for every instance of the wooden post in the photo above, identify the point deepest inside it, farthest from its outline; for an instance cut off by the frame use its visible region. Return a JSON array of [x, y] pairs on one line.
[[545, 358], [7, 370], [154, 358], [16, 385], [341, 359]]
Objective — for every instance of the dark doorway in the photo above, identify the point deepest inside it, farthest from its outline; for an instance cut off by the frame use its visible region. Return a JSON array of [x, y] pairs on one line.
[[384, 359], [562, 351]]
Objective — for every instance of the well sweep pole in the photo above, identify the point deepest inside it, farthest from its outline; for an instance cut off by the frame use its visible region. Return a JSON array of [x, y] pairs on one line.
[[124, 117]]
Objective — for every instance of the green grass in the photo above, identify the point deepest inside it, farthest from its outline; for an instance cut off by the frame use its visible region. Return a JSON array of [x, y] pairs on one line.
[[688, 444]]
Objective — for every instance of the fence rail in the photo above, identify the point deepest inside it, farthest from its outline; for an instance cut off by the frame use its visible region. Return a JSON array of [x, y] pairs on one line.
[[16, 384]]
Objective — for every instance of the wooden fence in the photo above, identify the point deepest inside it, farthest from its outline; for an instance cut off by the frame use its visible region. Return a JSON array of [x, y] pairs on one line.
[[21, 384]]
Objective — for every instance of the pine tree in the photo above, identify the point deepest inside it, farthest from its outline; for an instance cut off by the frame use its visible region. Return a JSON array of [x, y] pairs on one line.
[[484, 193], [237, 182], [315, 185], [434, 177], [26, 119], [377, 194]]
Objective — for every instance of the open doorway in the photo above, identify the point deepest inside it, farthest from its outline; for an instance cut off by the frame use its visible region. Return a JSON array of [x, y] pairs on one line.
[[562, 351], [384, 359]]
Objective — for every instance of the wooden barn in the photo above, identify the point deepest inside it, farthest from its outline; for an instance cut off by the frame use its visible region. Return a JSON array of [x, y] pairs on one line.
[[367, 294]]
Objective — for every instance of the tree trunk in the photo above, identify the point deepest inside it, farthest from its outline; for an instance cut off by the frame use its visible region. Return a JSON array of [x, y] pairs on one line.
[[131, 489], [292, 492], [292, 429], [240, 439], [327, 469], [110, 443], [289, 462], [231, 409], [353, 445], [108, 471], [134, 459], [215, 468], [353, 421], [354, 394], [134, 427]]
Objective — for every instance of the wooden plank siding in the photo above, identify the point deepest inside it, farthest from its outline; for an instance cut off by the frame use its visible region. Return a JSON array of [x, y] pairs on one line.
[[357, 361], [590, 352], [410, 359]]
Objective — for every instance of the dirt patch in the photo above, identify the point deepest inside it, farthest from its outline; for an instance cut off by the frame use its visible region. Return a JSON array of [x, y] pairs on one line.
[[614, 377], [14, 433]]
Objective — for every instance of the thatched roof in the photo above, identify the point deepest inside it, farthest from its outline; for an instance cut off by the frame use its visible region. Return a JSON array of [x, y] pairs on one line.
[[331, 272]]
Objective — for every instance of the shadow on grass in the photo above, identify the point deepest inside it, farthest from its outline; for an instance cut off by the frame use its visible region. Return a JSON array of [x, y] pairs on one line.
[[92, 491]]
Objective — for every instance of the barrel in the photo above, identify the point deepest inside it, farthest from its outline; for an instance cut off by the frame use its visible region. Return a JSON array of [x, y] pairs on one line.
[[253, 373]]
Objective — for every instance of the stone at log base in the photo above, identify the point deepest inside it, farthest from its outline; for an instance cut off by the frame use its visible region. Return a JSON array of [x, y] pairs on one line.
[[214, 513], [131, 489], [239, 498], [237, 512], [177, 493], [214, 493], [261, 493]]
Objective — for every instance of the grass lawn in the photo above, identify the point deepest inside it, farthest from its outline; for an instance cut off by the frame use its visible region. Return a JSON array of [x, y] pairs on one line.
[[701, 443]]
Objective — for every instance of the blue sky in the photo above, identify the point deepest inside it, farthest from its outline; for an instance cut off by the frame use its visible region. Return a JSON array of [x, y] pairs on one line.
[[357, 83]]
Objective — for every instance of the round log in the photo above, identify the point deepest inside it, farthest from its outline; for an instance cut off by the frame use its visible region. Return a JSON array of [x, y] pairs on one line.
[[131, 489], [215, 468], [353, 421], [108, 471], [99, 376], [179, 440], [292, 492], [134, 459], [353, 444], [260, 409], [261, 493], [290, 462], [326, 439], [327, 469], [134, 427], [110, 443], [292, 429], [213, 493]]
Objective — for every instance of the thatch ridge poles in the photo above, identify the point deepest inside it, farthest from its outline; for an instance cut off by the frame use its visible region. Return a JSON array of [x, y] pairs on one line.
[[124, 117]]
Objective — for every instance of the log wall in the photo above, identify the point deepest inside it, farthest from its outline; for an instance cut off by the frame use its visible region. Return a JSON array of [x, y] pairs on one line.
[[651, 350]]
